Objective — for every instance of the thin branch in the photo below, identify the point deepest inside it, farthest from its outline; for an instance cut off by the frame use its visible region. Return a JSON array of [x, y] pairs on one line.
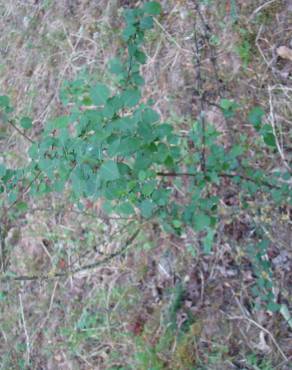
[[2, 246], [272, 120], [69, 273], [207, 34], [260, 8], [21, 132], [24, 191], [228, 175], [25, 330], [175, 174], [172, 39], [202, 102]]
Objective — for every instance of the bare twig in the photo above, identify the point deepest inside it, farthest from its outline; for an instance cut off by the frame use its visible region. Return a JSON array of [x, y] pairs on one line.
[[172, 39], [2, 246], [260, 8], [263, 329], [21, 132], [228, 175], [285, 362], [68, 273], [207, 34], [202, 102], [25, 330], [272, 120], [24, 191]]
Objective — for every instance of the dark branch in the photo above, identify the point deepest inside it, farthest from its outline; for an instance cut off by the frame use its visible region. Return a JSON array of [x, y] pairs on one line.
[[21, 132], [76, 270]]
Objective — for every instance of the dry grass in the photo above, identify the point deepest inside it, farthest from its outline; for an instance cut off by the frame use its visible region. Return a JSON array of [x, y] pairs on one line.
[[162, 304]]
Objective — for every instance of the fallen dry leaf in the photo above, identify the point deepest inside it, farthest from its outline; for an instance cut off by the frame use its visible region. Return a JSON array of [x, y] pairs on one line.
[[285, 52]]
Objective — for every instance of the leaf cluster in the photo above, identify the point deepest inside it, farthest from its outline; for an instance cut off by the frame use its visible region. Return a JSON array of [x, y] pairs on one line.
[[113, 145]]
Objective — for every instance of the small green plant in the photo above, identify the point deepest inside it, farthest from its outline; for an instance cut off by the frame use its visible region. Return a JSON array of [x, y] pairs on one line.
[[112, 145], [258, 364], [245, 45], [264, 283]]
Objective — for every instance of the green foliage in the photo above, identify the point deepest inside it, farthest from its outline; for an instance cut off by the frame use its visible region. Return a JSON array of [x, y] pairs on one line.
[[263, 289], [255, 118], [244, 51], [26, 122], [152, 8], [257, 363], [245, 45], [112, 145], [228, 107], [4, 102]]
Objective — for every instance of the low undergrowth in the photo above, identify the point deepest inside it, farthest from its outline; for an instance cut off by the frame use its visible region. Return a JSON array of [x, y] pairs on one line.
[[110, 153]]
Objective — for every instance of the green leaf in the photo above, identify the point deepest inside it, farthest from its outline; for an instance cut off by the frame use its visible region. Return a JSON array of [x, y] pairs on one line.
[[58, 123], [131, 97], [130, 15], [161, 196], [226, 104], [59, 186], [116, 66], [162, 152], [284, 311], [107, 207], [208, 241], [138, 79], [116, 189], [140, 57], [128, 32], [146, 23], [4, 101], [177, 223], [147, 208], [228, 107], [273, 307], [3, 296], [115, 102], [26, 122], [2, 170], [163, 130], [129, 145], [109, 171], [113, 146], [149, 116], [22, 206], [149, 187], [152, 7], [12, 196], [255, 117], [123, 124], [201, 221], [99, 94], [126, 209], [236, 150], [77, 179], [269, 139], [142, 175], [33, 151]]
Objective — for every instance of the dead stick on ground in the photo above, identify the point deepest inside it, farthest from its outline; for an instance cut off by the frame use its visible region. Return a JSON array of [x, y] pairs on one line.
[[25, 330]]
